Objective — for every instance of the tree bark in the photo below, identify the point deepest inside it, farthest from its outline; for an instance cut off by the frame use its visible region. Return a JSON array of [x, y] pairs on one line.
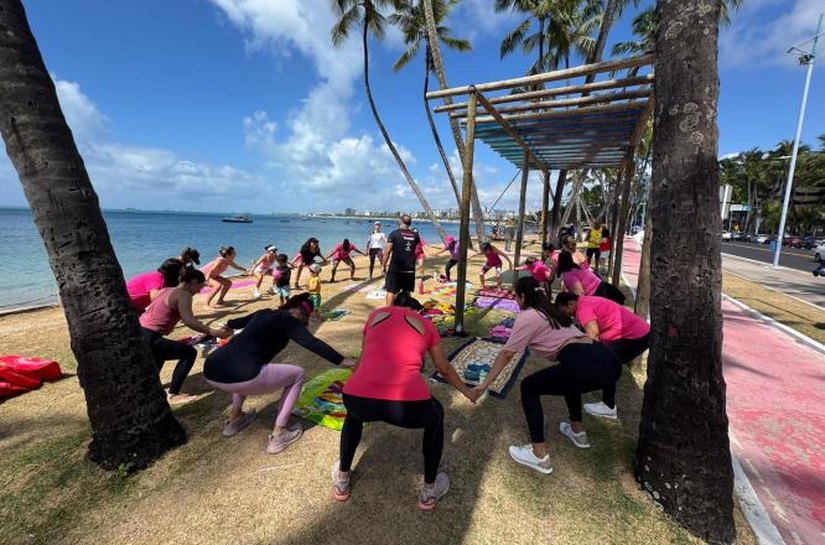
[[608, 19], [545, 207], [621, 223], [556, 215], [441, 75], [131, 422], [410, 180], [642, 307], [684, 462], [434, 130]]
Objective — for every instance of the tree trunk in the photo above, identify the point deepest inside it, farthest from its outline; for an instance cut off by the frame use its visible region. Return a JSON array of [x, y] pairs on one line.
[[441, 75], [434, 130], [131, 422], [545, 207], [417, 190], [621, 222], [684, 462], [642, 307], [556, 215], [608, 19]]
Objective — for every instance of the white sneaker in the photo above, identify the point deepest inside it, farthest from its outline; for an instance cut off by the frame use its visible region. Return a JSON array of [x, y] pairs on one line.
[[600, 409], [578, 439], [524, 455], [256, 293]]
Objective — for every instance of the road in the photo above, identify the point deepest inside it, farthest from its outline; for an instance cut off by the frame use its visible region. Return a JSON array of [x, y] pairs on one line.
[[801, 260]]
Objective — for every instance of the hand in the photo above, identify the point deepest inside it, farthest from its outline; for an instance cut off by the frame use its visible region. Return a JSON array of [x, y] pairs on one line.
[[473, 393], [222, 332], [349, 363]]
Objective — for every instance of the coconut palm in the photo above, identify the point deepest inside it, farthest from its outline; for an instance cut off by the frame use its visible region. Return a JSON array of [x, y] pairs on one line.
[[368, 15], [411, 19], [131, 422]]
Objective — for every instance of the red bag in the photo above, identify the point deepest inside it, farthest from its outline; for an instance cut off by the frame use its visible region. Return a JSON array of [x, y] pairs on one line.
[[10, 390], [36, 368], [16, 379]]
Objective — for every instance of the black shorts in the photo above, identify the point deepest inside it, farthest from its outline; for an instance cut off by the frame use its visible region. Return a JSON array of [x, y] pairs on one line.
[[400, 281], [593, 252]]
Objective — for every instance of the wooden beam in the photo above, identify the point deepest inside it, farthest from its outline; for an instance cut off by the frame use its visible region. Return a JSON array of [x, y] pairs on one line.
[[525, 173], [464, 217], [545, 207], [509, 130], [640, 125], [556, 75], [577, 113], [554, 104], [646, 81]]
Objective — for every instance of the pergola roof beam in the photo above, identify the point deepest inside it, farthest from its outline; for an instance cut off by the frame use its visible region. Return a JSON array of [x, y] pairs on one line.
[[608, 109], [555, 104]]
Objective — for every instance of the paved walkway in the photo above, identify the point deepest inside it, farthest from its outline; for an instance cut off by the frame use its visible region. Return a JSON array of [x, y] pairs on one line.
[[802, 285], [776, 408]]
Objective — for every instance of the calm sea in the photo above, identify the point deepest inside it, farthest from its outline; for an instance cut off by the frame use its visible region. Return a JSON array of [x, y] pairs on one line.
[[142, 240]]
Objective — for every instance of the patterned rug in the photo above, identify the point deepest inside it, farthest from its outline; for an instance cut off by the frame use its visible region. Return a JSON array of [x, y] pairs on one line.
[[505, 305], [321, 400], [476, 357]]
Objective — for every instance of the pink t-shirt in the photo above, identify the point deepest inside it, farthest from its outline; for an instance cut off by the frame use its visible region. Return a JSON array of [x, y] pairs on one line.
[[540, 271], [554, 257], [614, 320], [140, 286], [159, 316], [493, 260], [339, 254], [531, 329], [585, 276], [390, 366], [215, 268]]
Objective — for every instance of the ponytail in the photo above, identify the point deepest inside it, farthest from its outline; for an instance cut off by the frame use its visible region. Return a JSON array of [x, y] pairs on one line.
[[536, 298]]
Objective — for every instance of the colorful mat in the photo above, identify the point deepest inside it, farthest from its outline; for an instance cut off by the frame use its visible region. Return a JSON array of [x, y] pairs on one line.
[[445, 290], [505, 305], [321, 399], [476, 357], [334, 315], [497, 293]]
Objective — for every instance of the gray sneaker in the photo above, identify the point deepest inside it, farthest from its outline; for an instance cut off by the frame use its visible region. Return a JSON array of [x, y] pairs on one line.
[[578, 439], [431, 494], [233, 427], [279, 442]]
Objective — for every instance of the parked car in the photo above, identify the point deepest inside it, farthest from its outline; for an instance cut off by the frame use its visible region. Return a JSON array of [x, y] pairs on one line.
[[726, 235], [738, 236], [819, 253], [763, 238], [792, 241], [809, 243]]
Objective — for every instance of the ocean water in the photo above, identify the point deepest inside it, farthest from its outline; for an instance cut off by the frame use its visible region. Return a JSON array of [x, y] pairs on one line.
[[142, 240]]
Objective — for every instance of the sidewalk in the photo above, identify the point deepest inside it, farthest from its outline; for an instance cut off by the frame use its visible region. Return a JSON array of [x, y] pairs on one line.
[[802, 285], [776, 408]]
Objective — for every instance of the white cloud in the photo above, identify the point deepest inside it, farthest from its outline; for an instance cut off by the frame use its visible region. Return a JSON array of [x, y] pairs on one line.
[[480, 17], [757, 37], [82, 115]]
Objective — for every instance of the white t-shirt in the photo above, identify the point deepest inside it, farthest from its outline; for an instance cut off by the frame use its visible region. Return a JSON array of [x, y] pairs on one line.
[[377, 240]]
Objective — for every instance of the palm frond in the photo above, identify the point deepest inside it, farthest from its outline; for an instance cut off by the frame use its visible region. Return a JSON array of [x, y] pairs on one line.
[[344, 27], [456, 44], [514, 38], [407, 56]]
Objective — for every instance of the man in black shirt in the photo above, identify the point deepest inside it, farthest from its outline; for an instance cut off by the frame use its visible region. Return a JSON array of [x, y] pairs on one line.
[[400, 253]]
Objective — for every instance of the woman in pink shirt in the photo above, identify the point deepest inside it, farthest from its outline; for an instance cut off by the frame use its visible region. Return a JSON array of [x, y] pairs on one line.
[[388, 387], [144, 287], [493, 261], [583, 281], [214, 271], [539, 271], [341, 253], [583, 366]]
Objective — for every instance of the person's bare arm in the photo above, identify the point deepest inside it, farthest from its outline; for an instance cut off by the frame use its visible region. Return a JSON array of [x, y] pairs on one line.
[[498, 366], [183, 301], [236, 266], [387, 252], [448, 372], [577, 288], [153, 294], [592, 329]]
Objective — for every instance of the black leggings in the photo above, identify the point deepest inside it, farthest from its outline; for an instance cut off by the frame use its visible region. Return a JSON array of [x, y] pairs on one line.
[[450, 264], [375, 253], [165, 349], [428, 414], [582, 368], [626, 350]]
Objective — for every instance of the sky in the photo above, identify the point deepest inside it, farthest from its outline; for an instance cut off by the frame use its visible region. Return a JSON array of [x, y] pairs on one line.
[[246, 106]]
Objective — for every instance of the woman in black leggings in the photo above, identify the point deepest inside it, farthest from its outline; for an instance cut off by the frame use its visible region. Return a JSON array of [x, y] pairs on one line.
[[387, 387], [583, 366]]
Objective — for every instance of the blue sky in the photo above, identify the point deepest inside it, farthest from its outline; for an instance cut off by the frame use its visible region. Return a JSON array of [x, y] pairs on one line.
[[244, 105]]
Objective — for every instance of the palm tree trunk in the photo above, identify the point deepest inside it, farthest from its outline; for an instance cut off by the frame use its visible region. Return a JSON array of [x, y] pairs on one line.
[[131, 422], [434, 130], [417, 190], [685, 462], [642, 307], [555, 217], [608, 19], [441, 75]]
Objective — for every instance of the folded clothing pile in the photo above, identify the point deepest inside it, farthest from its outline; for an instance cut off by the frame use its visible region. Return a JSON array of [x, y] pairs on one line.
[[19, 374]]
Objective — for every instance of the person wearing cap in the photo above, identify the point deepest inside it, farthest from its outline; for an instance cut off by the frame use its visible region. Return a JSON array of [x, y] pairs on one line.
[[190, 257], [376, 244], [400, 255], [263, 267], [243, 367]]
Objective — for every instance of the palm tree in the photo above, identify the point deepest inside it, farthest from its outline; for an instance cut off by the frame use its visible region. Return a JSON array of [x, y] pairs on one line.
[[367, 14], [685, 463], [131, 422], [412, 20]]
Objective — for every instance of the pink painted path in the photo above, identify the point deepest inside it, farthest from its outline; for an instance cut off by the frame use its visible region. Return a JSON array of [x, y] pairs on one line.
[[776, 408]]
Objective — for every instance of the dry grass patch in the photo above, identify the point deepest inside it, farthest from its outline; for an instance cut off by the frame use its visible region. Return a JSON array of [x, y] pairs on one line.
[[216, 490]]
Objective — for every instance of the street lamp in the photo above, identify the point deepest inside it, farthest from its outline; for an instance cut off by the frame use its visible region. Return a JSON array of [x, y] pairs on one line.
[[805, 58]]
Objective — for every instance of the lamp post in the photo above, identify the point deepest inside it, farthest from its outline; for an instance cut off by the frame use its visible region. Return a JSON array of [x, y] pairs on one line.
[[805, 57]]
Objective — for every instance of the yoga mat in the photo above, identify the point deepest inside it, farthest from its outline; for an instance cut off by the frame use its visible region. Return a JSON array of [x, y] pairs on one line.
[[321, 400], [500, 294], [480, 354], [377, 294], [334, 315], [505, 305], [445, 290]]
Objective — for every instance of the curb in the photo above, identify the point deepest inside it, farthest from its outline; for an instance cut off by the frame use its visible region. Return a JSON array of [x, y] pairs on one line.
[[760, 522]]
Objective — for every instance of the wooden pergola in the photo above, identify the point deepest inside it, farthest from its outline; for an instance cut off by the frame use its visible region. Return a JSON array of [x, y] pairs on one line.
[[593, 124]]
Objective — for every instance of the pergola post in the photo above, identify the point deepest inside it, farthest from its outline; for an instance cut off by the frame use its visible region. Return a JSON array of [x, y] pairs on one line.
[[525, 173], [545, 206], [464, 214], [624, 209]]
